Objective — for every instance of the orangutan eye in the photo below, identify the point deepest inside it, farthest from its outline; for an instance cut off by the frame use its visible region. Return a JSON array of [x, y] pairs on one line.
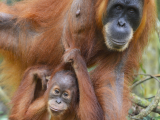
[[65, 94], [119, 7], [131, 10], [56, 91]]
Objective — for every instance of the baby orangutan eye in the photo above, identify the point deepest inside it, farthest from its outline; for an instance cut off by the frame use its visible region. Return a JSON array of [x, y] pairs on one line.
[[56, 91], [65, 94]]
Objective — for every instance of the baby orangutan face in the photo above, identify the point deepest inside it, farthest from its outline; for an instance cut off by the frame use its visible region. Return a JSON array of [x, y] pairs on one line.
[[61, 93]]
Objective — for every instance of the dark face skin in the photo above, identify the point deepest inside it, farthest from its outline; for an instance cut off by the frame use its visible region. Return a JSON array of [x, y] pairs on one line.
[[61, 93], [122, 19]]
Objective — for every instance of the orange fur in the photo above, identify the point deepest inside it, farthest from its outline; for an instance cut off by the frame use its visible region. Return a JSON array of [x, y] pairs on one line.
[[53, 21], [102, 5], [29, 102]]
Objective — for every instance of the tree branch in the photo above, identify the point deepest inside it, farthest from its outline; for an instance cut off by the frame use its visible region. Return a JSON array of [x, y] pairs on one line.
[[143, 102], [149, 109]]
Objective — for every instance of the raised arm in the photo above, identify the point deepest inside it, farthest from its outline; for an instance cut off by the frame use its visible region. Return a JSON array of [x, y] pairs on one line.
[[29, 101], [89, 107]]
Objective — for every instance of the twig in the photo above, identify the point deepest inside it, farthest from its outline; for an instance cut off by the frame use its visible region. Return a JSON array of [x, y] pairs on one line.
[[151, 76], [141, 81], [150, 97], [149, 109]]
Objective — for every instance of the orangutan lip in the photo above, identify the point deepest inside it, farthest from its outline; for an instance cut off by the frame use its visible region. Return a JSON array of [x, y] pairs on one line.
[[53, 109], [119, 43]]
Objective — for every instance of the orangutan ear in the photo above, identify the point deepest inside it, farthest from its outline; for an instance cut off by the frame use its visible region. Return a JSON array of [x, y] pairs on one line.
[[47, 80]]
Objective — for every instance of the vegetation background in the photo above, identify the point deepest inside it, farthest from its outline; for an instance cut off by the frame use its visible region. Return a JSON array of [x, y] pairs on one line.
[[150, 64]]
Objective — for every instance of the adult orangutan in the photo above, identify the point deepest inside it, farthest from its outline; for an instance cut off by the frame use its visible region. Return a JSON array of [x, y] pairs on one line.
[[110, 34]]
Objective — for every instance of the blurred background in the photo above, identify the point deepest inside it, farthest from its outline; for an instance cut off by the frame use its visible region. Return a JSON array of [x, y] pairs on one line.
[[150, 64]]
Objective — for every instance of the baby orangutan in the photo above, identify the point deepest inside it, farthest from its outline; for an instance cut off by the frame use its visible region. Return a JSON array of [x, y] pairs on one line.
[[61, 96]]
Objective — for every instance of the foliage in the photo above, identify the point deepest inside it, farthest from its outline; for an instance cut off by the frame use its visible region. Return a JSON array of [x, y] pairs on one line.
[[4, 117], [10, 2]]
